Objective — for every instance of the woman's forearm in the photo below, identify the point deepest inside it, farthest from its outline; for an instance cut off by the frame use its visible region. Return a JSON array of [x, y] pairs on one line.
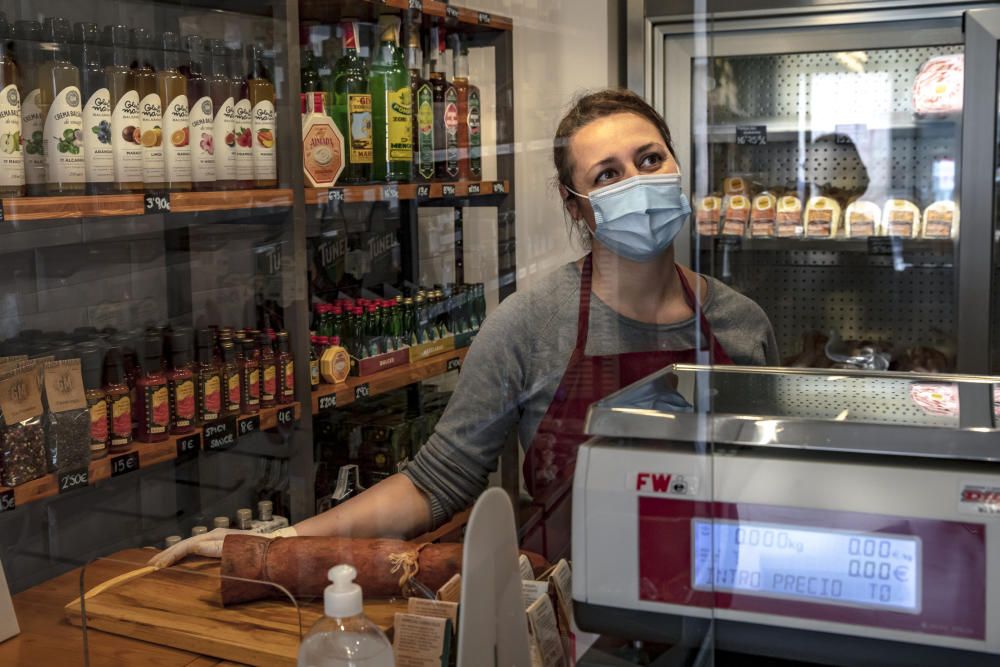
[[392, 508]]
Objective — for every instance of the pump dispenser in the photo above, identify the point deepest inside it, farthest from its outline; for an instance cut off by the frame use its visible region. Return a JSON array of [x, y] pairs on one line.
[[344, 637]]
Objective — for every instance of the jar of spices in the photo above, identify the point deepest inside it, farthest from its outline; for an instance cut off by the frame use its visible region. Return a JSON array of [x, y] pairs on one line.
[[97, 402], [22, 438], [67, 417]]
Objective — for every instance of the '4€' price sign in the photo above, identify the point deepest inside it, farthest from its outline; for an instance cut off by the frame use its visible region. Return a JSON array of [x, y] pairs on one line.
[[286, 416]]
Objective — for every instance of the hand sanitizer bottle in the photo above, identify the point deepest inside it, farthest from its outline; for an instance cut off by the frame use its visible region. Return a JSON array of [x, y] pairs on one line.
[[344, 637]]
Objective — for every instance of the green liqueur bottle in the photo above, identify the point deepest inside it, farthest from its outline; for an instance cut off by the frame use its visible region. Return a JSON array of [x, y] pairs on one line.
[[352, 107], [392, 110], [308, 75]]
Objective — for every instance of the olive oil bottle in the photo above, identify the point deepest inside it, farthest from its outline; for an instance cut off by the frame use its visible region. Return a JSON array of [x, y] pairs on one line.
[[202, 117], [150, 111], [224, 125], [243, 113], [11, 153], [392, 109], [28, 54], [352, 106], [422, 97], [260, 92], [172, 87], [126, 127], [99, 159], [61, 105]]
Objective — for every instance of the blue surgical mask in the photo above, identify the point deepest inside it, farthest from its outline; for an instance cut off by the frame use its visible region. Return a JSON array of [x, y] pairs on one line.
[[640, 217]]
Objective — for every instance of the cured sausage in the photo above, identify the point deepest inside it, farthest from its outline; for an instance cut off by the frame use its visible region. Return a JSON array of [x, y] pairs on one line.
[[300, 565]]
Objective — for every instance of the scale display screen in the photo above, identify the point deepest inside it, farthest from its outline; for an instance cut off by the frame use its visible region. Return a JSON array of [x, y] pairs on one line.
[[856, 569]]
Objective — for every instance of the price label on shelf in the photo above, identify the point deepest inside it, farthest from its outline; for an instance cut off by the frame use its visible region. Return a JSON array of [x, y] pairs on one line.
[[484, 18], [335, 195], [327, 403], [286, 416], [390, 192], [499, 188], [448, 190], [74, 479], [156, 202], [1, 211], [417, 4], [7, 502], [221, 435], [451, 13], [475, 188], [423, 192], [124, 464], [248, 425], [362, 391], [454, 364], [751, 135], [880, 245], [188, 446]]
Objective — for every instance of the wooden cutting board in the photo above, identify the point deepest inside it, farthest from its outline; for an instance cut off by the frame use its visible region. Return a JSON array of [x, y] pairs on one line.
[[180, 607]]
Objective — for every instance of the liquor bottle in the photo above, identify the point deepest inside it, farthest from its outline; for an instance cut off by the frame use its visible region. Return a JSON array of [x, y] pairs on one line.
[[27, 51], [231, 385], [308, 74], [60, 103], [154, 174], [99, 159], [172, 87], [470, 140], [119, 398], [286, 370], [152, 393], [224, 124], [243, 121], [209, 384], [422, 98], [201, 117], [392, 109], [126, 126], [352, 106], [445, 123], [97, 401], [250, 377], [180, 382], [268, 372], [11, 151], [322, 143], [260, 92]]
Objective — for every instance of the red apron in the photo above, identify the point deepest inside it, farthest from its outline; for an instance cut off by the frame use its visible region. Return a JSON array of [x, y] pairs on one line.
[[550, 460]]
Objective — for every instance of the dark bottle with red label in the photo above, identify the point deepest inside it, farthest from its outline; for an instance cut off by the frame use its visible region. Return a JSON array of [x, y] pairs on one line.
[[119, 401], [268, 371], [209, 381], [250, 377], [286, 370], [180, 382], [445, 122], [97, 402], [230, 381], [152, 393]]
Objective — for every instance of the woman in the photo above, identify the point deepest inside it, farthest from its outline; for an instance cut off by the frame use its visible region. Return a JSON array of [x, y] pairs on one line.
[[593, 326]]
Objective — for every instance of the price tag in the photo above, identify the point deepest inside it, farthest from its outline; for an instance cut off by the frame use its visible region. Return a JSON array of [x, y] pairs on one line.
[[7, 502], [248, 425], [73, 479], [880, 245], [220, 436], [483, 18], [286, 416], [499, 188], [188, 446], [730, 243], [124, 464], [448, 190], [156, 202], [451, 12], [362, 391], [417, 4], [454, 364], [751, 135], [335, 195], [390, 192], [423, 192], [327, 403], [475, 188]]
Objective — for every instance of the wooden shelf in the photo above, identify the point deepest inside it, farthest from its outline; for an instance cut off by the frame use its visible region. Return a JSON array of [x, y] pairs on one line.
[[380, 383], [353, 194], [464, 18], [17, 209], [149, 454]]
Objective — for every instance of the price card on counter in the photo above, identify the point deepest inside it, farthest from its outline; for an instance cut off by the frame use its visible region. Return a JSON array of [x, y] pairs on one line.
[[188, 446], [156, 202], [124, 464], [751, 135], [73, 479], [220, 435]]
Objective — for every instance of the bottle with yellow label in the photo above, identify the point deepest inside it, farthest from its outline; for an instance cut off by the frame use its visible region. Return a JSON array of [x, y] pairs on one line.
[[352, 106], [260, 92], [392, 109]]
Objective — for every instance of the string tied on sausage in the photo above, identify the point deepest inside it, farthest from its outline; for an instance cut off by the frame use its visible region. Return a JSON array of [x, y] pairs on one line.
[[408, 562]]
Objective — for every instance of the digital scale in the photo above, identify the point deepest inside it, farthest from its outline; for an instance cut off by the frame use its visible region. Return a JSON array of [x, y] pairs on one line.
[[841, 517]]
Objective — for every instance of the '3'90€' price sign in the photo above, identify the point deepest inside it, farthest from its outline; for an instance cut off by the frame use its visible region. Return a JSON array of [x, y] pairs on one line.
[[156, 202]]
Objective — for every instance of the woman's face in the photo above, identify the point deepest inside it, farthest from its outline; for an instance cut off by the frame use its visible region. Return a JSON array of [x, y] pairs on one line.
[[612, 149]]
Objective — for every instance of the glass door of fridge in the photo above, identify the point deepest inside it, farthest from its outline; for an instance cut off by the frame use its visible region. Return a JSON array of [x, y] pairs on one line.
[[824, 161]]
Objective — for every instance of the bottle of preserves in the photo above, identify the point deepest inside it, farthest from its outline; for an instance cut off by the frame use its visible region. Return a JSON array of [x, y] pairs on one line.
[[224, 125], [250, 377], [150, 111], [27, 51], [286, 370], [243, 120], [230, 381], [119, 398], [99, 159], [172, 87], [470, 140], [268, 371], [352, 106], [209, 385], [11, 152], [445, 123], [126, 125], [180, 383], [61, 105], [392, 109], [152, 393], [97, 401], [201, 118], [422, 98], [260, 92]]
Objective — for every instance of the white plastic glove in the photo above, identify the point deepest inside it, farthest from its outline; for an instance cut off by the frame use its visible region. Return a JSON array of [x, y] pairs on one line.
[[208, 545]]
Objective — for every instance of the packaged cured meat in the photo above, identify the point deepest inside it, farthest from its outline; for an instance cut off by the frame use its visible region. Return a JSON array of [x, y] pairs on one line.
[[763, 216], [822, 218], [862, 219], [789, 217], [941, 220], [736, 185], [938, 88], [708, 215], [901, 218], [736, 216]]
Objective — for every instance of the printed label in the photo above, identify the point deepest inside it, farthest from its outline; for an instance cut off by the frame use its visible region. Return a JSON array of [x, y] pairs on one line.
[[819, 223], [264, 163], [475, 134], [126, 139], [151, 122], [399, 112], [203, 148], [938, 225], [288, 380], [425, 131], [269, 384], [862, 225], [323, 154], [980, 499], [451, 132], [98, 425], [182, 402], [224, 143], [313, 372], [359, 119], [244, 140], [157, 401], [121, 420], [98, 154], [178, 140], [32, 128], [11, 151], [254, 387], [233, 393], [211, 397], [62, 141]]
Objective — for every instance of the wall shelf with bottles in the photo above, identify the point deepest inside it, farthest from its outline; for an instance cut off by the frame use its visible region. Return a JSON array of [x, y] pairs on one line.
[[469, 20], [419, 192]]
